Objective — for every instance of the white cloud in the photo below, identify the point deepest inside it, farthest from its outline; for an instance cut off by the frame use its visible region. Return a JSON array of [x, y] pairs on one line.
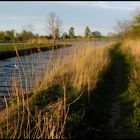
[[14, 17], [108, 5], [100, 4], [21, 17]]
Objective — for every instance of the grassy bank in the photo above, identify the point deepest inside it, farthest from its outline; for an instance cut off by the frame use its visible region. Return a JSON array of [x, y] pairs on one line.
[[102, 118], [11, 46], [10, 50], [57, 104], [131, 98]]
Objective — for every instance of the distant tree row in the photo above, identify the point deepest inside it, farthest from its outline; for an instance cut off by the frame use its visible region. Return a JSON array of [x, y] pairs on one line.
[[13, 36], [53, 25], [87, 33], [24, 36]]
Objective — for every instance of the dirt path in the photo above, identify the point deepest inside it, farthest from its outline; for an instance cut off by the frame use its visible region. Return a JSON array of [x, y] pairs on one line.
[[120, 80], [105, 111], [116, 104], [102, 117]]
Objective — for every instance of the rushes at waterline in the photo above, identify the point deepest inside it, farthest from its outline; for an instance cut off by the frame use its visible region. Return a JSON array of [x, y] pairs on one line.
[[43, 112]]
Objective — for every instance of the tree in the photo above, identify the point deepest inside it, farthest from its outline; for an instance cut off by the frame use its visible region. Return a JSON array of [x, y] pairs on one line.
[[135, 30], [57, 33], [65, 35], [54, 24], [2, 36], [28, 28], [87, 32], [129, 28], [26, 35], [96, 34], [18, 37], [123, 28], [9, 35], [71, 32]]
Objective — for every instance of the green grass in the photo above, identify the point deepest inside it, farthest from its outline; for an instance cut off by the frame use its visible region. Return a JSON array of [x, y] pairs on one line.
[[131, 97], [10, 47], [10, 50]]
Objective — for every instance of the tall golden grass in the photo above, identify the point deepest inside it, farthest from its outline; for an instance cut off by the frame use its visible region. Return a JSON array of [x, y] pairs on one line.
[[40, 40], [131, 48], [22, 119], [83, 69]]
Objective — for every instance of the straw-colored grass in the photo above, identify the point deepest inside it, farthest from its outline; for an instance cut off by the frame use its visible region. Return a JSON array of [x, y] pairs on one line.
[[40, 40], [43, 112], [133, 45], [131, 98], [82, 70]]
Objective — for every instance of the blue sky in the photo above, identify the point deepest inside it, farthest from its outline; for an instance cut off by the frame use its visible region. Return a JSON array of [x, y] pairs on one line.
[[98, 15]]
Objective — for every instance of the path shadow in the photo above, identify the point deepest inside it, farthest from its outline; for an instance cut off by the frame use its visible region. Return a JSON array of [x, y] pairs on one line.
[[114, 81]]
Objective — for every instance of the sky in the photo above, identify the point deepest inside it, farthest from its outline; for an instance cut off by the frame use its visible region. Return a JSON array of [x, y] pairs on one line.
[[97, 15]]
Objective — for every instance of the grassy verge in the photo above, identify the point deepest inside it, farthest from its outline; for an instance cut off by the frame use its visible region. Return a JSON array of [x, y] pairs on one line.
[[10, 46], [99, 120], [9, 50], [58, 103], [114, 107], [131, 97]]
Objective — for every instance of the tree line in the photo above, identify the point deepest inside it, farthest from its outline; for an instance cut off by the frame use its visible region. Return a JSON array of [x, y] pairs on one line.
[[13, 36], [53, 25], [24, 36]]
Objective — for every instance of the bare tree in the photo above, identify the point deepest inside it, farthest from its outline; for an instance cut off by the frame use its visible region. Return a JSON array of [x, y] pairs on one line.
[[54, 24], [123, 27], [28, 28], [135, 13]]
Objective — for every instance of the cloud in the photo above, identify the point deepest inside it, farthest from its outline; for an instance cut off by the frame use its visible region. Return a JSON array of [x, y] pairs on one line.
[[21, 17], [101, 4], [14, 17], [111, 5]]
